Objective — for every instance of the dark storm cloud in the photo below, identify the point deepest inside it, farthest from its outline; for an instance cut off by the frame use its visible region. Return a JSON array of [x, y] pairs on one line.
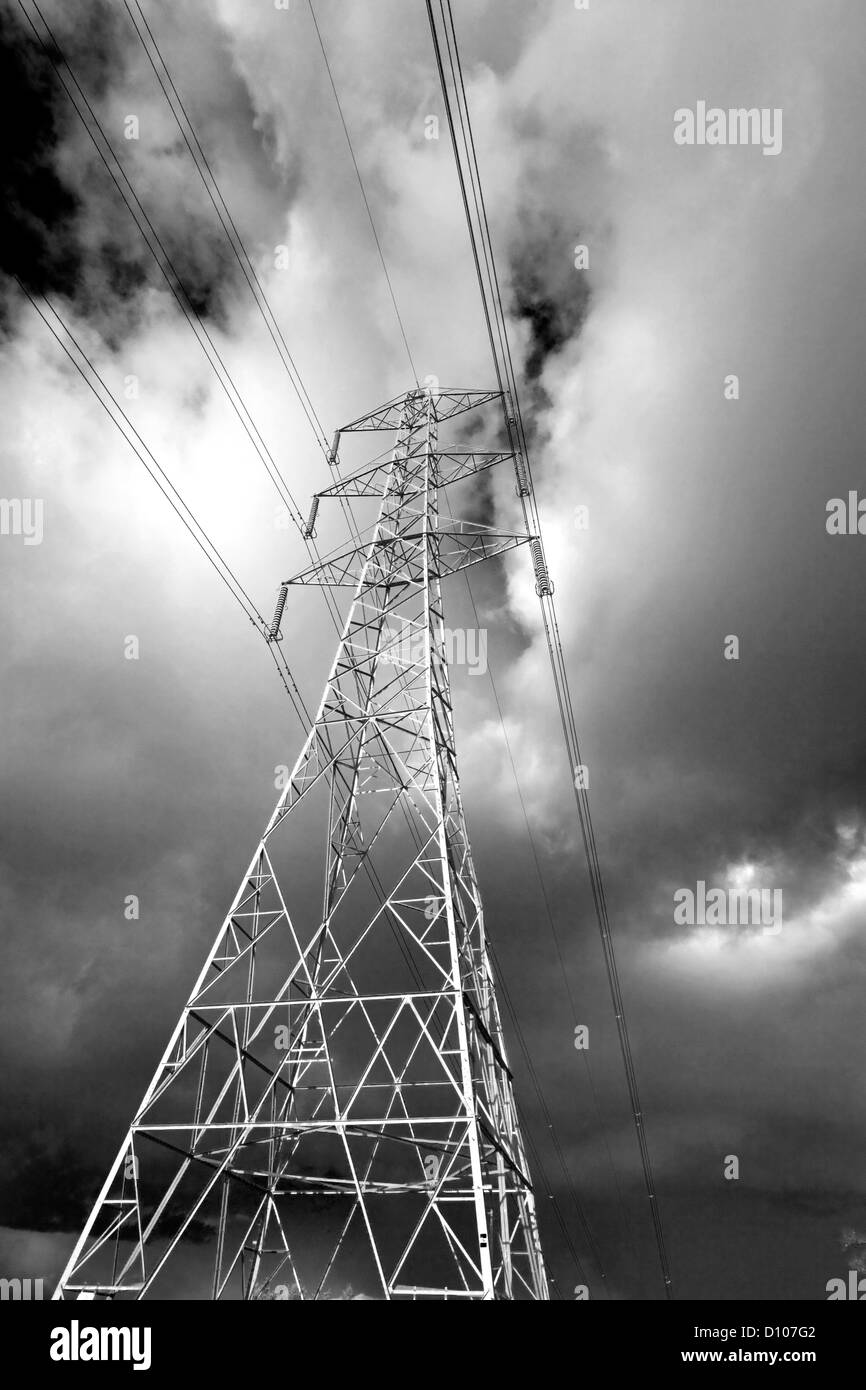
[[37, 210], [93, 251], [43, 204], [44, 1188], [51, 1189], [545, 291]]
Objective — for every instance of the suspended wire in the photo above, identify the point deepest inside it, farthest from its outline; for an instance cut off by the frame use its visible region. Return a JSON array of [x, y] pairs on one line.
[[548, 1119], [568, 722], [530, 1065], [279, 660], [536, 1084], [569, 728], [550, 920], [537, 1087], [537, 1166], [165, 264], [533, 1074], [582, 1218], [211, 185], [208, 548], [215, 194], [227, 222], [190, 313], [363, 191], [503, 364], [439, 1029], [376, 882], [188, 309], [178, 290], [166, 487]]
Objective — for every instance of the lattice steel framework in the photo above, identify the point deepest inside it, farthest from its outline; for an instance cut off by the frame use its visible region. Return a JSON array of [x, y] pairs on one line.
[[315, 1129]]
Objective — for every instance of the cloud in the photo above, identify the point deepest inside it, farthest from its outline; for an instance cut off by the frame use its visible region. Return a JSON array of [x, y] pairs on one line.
[[706, 518]]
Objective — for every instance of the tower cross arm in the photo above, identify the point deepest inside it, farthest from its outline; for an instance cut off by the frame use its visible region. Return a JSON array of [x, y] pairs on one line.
[[458, 464], [449, 401], [458, 549], [459, 545]]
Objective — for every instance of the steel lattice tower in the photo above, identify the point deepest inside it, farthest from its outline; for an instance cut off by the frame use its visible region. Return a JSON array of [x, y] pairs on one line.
[[313, 1123]]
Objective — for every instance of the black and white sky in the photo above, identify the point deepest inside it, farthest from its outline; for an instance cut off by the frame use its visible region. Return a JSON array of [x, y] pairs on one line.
[[707, 518]]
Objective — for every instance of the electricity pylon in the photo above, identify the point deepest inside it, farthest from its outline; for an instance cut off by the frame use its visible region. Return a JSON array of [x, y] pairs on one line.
[[315, 1125]]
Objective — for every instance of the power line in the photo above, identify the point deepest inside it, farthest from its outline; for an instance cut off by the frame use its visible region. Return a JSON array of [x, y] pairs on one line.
[[212, 187], [548, 1119], [167, 488], [228, 224], [214, 192], [517, 435], [180, 294], [261, 302], [551, 923], [279, 661], [165, 264], [363, 191], [527, 1056]]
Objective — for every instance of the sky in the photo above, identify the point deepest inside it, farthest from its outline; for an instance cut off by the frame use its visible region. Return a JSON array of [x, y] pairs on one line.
[[707, 512]]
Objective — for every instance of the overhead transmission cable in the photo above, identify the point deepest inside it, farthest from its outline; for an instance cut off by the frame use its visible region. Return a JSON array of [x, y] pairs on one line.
[[214, 557], [214, 192], [199, 535], [279, 660], [479, 233], [191, 313], [552, 925], [114, 409], [170, 274], [518, 1031], [156, 248], [363, 192], [533, 1074], [211, 185]]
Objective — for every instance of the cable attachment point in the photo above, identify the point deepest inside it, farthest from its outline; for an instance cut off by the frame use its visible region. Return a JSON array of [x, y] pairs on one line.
[[522, 489], [543, 584], [274, 634], [310, 528]]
